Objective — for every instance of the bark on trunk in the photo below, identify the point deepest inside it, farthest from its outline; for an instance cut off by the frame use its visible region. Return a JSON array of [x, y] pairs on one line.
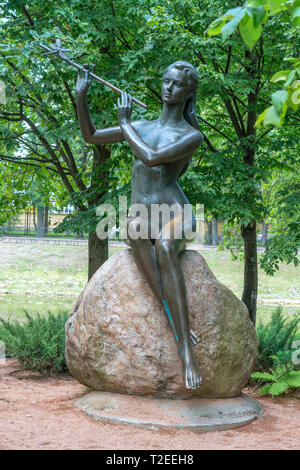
[[40, 222], [264, 233], [34, 219], [98, 249], [214, 230], [208, 235], [250, 269], [98, 253], [46, 223], [27, 221]]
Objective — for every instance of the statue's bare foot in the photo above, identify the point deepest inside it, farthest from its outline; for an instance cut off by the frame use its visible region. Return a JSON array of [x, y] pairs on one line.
[[191, 370], [193, 338], [192, 375]]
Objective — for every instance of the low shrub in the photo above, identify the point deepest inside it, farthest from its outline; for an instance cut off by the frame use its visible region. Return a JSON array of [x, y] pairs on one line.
[[277, 382], [275, 338], [38, 344], [275, 372]]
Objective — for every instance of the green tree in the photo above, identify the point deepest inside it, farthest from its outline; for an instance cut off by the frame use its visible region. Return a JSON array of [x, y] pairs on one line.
[[283, 197], [38, 125], [131, 43], [234, 90], [13, 197], [42, 191], [249, 20]]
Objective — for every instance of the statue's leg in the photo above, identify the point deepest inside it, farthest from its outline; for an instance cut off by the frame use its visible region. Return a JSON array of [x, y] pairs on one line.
[[145, 257], [173, 286]]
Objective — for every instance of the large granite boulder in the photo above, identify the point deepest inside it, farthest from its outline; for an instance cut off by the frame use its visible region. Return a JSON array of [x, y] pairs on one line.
[[118, 338]]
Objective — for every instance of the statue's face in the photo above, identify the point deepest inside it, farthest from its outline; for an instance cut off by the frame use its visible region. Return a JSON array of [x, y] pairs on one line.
[[175, 87]]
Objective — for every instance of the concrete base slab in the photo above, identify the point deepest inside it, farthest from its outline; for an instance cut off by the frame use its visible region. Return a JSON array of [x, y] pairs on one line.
[[197, 414]]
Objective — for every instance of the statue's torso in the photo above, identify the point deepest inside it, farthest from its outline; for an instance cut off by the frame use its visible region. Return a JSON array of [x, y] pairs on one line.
[[157, 184]]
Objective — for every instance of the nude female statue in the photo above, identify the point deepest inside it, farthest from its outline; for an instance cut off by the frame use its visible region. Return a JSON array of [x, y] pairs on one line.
[[162, 150]]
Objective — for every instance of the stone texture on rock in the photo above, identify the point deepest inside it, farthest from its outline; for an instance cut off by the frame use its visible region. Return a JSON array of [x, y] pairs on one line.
[[118, 338]]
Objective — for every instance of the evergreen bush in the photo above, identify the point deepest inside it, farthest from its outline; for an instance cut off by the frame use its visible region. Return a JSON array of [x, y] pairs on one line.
[[275, 373], [275, 340], [38, 344]]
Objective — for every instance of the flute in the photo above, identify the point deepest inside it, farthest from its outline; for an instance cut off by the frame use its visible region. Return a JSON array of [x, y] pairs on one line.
[[59, 51]]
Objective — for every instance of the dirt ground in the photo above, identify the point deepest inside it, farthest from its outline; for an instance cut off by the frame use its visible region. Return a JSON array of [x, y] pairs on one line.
[[39, 413]]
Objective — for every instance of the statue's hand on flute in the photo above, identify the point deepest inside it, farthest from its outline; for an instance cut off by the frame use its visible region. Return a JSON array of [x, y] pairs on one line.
[[84, 81], [124, 108]]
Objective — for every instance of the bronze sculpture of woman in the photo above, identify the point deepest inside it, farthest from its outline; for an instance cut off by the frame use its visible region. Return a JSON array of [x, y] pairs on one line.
[[162, 150]]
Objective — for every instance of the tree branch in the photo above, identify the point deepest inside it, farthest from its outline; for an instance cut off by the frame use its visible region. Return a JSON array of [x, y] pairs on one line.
[[26, 13], [228, 59], [71, 97], [215, 128], [6, 158], [209, 144]]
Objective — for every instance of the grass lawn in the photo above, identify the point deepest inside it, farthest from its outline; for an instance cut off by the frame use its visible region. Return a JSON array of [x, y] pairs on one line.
[[41, 278]]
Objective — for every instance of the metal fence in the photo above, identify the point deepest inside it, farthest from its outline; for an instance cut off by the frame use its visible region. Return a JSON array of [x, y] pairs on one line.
[[42, 232]]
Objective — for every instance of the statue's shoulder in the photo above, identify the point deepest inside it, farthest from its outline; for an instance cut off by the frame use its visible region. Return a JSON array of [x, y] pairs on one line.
[[196, 132]]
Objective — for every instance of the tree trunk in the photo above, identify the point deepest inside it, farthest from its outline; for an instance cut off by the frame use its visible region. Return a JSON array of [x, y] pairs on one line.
[[98, 249], [208, 235], [214, 232], [264, 233], [27, 222], [40, 222], [34, 219], [250, 269], [98, 253], [46, 223]]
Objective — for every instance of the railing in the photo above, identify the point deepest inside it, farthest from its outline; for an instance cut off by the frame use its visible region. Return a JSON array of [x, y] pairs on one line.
[[42, 232]]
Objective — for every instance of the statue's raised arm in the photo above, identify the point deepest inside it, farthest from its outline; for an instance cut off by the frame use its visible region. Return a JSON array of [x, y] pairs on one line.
[[90, 133]]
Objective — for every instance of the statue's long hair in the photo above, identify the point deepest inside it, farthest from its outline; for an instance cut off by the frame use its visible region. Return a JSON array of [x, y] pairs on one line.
[[190, 110]]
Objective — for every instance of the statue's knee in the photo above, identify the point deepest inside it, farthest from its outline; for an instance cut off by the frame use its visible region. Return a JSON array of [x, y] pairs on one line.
[[164, 250]]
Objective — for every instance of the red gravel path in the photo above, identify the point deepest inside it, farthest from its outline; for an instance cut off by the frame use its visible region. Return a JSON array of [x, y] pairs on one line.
[[40, 414]]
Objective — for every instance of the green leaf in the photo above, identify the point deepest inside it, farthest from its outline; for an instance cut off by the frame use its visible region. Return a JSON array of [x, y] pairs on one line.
[[261, 118], [294, 96], [293, 60], [265, 389], [215, 28], [278, 388], [258, 14], [296, 12], [290, 79], [279, 98], [276, 6], [272, 117], [293, 379], [231, 26], [296, 17], [249, 33], [233, 12], [256, 3], [263, 376], [281, 75]]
